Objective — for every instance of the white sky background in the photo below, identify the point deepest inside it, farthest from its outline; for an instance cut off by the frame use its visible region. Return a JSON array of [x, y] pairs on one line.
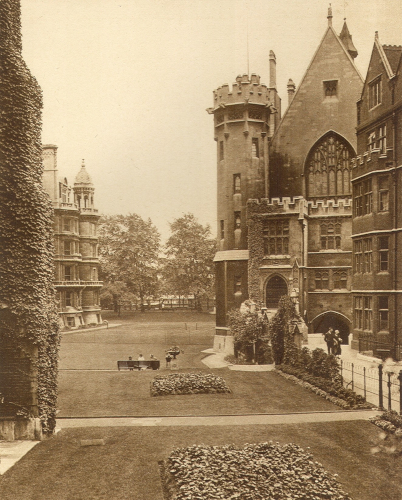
[[126, 84]]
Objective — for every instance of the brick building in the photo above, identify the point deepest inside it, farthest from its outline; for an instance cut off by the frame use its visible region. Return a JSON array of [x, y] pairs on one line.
[[76, 242], [284, 188], [377, 202]]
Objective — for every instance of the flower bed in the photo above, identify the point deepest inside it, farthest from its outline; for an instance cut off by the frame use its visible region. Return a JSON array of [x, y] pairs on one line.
[[336, 393], [188, 383], [389, 421], [256, 471]]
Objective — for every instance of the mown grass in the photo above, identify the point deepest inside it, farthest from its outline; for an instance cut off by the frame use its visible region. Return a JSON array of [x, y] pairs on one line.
[[86, 394], [127, 466], [99, 393]]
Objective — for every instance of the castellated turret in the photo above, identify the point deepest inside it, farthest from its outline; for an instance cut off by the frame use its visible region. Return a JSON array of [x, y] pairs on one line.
[[245, 117], [243, 123]]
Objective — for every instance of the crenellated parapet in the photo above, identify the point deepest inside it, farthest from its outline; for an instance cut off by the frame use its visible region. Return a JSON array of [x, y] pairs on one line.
[[340, 206], [245, 90], [301, 206], [375, 159], [295, 205]]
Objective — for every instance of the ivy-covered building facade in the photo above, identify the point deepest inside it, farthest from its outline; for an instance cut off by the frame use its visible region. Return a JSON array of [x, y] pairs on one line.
[[285, 192], [76, 244]]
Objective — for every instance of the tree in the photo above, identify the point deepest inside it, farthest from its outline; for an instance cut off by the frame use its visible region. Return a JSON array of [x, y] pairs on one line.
[[249, 329], [188, 266], [29, 335], [129, 253], [283, 345]]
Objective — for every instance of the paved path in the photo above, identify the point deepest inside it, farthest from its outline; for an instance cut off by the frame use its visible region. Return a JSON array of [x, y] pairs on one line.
[[216, 420]]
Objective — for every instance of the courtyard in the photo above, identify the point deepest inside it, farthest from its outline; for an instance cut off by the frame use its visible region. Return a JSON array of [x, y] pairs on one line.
[[136, 432]]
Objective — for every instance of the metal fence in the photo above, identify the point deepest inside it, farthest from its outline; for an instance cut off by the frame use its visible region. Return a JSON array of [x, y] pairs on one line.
[[381, 386], [382, 350]]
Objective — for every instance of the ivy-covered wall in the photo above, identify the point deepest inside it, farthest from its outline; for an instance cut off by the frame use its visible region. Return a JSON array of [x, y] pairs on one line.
[[256, 209], [29, 337]]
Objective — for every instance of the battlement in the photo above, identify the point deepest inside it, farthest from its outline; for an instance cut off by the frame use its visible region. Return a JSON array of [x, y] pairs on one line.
[[244, 89], [299, 205], [296, 205], [342, 206], [371, 159]]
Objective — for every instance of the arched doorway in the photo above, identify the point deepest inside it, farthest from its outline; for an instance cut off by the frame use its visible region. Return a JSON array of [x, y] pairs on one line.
[[275, 289], [322, 323]]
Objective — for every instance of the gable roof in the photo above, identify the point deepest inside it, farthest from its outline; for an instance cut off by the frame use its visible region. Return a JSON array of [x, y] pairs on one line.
[[393, 54], [384, 51], [329, 29]]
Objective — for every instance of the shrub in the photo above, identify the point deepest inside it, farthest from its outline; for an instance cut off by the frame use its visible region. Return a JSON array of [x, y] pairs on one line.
[[250, 336], [330, 387]]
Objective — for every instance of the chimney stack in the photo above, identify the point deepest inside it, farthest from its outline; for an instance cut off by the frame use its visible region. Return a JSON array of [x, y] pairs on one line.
[[272, 70], [291, 90]]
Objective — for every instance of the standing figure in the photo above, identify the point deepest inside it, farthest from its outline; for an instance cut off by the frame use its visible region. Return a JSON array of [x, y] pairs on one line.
[[168, 359], [336, 344], [329, 339]]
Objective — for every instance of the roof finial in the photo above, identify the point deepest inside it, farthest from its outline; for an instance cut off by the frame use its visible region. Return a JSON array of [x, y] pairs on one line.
[[376, 35], [329, 17], [83, 163]]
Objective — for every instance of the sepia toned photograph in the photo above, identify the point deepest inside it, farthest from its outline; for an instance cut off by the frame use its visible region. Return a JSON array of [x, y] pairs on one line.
[[200, 250]]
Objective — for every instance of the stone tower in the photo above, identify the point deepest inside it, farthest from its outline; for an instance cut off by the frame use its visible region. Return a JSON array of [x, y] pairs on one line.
[[75, 241], [244, 119], [89, 266]]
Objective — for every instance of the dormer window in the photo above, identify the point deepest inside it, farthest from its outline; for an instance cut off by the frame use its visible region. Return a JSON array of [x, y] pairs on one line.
[[375, 91], [331, 88]]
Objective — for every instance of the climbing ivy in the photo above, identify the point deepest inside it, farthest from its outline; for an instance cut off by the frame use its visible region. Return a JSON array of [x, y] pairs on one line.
[[283, 346], [28, 318], [256, 213]]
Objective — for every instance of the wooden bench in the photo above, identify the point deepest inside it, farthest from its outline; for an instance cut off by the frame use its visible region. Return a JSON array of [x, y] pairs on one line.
[[138, 365]]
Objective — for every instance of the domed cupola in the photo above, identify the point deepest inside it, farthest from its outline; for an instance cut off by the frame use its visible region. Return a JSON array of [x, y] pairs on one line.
[[83, 189]]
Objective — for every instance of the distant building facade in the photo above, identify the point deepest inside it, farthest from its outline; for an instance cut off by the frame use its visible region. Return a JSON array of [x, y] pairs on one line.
[[377, 206], [76, 244], [284, 189]]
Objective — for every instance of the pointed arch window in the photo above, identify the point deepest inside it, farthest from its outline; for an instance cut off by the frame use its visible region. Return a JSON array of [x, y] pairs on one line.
[[328, 168]]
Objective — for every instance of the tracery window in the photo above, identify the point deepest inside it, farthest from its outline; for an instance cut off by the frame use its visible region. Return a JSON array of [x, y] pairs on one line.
[[328, 167], [321, 280], [276, 237]]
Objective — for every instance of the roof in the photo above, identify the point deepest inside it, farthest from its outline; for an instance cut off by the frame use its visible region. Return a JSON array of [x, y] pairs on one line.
[[393, 53], [346, 39], [83, 177], [231, 255]]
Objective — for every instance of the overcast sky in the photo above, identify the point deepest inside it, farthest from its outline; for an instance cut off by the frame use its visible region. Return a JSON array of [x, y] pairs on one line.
[[126, 84]]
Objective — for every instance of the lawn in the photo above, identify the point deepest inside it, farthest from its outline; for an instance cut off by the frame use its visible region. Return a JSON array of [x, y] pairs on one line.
[[127, 465], [85, 390], [96, 394]]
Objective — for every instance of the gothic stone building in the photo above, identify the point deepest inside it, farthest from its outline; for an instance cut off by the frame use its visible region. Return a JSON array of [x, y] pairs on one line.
[[76, 244], [284, 189]]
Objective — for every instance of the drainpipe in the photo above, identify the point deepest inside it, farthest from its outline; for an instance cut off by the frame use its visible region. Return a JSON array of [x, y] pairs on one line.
[[395, 223]]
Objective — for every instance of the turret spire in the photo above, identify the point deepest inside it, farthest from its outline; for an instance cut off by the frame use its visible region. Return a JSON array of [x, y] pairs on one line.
[[346, 39], [329, 17]]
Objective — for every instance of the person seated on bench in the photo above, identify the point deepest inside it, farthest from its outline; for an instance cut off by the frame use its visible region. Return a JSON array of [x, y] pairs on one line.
[[141, 366], [130, 364]]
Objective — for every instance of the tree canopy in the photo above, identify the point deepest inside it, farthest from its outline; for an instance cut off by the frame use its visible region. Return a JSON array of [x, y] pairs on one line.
[[129, 254], [188, 266]]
